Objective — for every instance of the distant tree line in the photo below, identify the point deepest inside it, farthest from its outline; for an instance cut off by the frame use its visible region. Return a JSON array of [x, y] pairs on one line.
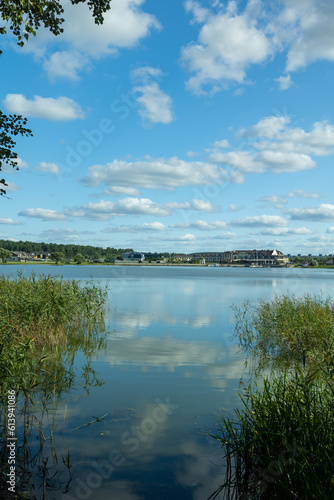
[[310, 260], [69, 251]]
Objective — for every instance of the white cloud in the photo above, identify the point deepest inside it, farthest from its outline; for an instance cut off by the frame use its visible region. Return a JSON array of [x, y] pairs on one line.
[[275, 200], [272, 145], [48, 108], [228, 43], [284, 82], [322, 212], [66, 65], [125, 25], [155, 106], [10, 170], [201, 225], [286, 231], [269, 127], [234, 208], [49, 168], [301, 193], [307, 26], [319, 141], [157, 173], [104, 210], [330, 229], [11, 186], [195, 204], [121, 190], [222, 144], [43, 213], [226, 236], [147, 226], [61, 234], [4, 220], [276, 161], [262, 220], [185, 238]]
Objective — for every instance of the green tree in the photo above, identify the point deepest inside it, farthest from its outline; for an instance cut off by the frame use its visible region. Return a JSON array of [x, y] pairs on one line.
[[10, 125], [79, 258], [5, 254], [57, 257], [23, 19]]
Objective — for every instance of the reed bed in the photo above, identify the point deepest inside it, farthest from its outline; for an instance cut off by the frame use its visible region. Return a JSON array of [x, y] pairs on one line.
[[44, 321], [281, 443], [287, 328]]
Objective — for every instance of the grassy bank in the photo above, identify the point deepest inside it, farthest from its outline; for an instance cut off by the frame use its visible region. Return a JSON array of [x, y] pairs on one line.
[[281, 443]]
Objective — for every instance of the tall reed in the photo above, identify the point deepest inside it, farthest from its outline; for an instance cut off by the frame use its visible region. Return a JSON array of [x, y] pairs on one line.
[[281, 443], [42, 322]]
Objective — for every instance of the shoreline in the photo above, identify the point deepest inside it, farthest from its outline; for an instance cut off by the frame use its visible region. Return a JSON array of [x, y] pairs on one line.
[[167, 264]]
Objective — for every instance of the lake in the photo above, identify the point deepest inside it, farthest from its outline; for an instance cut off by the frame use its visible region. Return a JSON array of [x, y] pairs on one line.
[[168, 369]]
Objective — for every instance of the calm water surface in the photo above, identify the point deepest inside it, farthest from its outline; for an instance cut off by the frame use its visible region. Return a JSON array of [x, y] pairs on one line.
[[169, 369]]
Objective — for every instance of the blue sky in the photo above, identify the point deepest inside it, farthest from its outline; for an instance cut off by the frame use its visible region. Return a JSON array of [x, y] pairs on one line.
[[176, 126]]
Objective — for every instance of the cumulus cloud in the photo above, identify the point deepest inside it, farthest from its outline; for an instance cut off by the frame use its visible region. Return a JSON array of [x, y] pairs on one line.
[[155, 106], [11, 186], [261, 220], [228, 44], [48, 108], [157, 173], [201, 225], [49, 168], [196, 204], [45, 214], [307, 28], [9, 169], [226, 236], [323, 212], [301, 193], [275, 200], [272, 144], [279, 201], [66, 65], [147, 226], [125, 25], [121, 190], [284, 82], [286, 231], [268, 127], [234, 208], [318, 141], [276, 161], [185, 238], [104, 210], [222, 144], [4, 220], [231, 41], [61, 234]]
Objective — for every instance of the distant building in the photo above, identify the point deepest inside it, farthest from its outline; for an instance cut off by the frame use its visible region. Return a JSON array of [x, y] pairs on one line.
[[261, 257], [133, 257], [20, 256], [181, 257], [40, 255]]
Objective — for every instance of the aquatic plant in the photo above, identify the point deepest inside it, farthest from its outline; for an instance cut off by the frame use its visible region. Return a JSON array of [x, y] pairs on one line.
[[281, 443], [44, 323], [286, 328]]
